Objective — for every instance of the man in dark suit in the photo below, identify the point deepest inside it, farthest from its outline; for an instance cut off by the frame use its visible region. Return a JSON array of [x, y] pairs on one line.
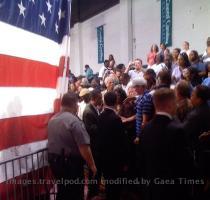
[[198, 122], [90, 119], [164, 156], [112, 147]]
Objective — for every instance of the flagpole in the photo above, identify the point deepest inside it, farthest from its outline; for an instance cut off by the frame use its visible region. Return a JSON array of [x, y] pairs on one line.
[[64, 89]]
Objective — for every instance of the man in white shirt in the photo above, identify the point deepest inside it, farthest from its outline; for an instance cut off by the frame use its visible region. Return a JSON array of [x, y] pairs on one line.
[[206, 55], [137, 72], [104, 71], [85, 95], [159, 64]]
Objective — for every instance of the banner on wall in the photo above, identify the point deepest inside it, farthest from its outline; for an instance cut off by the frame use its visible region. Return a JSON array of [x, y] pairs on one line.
[[100, 39], [166, 22]]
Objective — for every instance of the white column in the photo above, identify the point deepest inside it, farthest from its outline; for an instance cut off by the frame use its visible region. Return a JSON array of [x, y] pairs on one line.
[[126, 29], [76, 52]]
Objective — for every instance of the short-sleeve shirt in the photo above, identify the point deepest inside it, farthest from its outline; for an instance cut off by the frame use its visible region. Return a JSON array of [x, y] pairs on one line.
[[199, 66], [66, 132], [177, 73], [206, 57], [206, 82], [158, 68], [101, 72], [144, 105], [135, 74]]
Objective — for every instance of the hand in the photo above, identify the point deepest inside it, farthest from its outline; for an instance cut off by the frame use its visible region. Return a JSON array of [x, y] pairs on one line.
[[130, 64], [124, 120], [94, 170], [137, 140], [204, 136]]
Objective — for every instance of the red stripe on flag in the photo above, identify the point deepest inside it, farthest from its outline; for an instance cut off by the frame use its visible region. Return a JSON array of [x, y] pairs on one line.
[[22, 130], [20, 72], [62, 65]]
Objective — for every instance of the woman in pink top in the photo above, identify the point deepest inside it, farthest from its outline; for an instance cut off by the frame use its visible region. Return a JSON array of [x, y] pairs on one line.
[[151, 56]]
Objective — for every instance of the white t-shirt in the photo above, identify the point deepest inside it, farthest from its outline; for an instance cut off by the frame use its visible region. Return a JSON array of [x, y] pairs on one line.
[[177, 73], [101, 72], [158, 68], [81, 108], [135, 74], [205, 57]]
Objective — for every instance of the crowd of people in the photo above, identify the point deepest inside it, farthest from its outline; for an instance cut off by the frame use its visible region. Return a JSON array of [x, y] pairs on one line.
[[146, 123]]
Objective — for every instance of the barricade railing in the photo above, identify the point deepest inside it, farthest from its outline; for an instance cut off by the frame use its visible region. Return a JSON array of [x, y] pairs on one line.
[[27, 177]]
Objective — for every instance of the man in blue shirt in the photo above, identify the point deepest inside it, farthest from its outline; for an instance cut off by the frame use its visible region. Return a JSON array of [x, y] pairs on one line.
[[144, 106], [88, 73]]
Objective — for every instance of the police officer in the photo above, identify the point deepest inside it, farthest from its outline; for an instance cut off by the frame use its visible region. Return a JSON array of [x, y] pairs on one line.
[[69, 147]]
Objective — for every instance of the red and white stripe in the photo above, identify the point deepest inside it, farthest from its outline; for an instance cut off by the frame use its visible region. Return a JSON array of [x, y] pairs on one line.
[[30, 75]]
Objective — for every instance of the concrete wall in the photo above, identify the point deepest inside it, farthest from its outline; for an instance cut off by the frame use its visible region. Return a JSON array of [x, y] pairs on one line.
[[191, 22], [146, 26], [131, 27], [84, 40]]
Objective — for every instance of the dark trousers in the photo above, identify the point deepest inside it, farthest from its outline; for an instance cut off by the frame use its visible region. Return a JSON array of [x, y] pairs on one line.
[[94, 182], [69, 174], [112, 172]]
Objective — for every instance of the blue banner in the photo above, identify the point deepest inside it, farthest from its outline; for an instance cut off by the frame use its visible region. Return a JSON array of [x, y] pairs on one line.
[[166, 22], [100, 38]]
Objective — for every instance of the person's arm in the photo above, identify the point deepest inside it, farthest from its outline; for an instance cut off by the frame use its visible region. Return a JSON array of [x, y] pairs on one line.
[[101, 73], [146, 119], [111, 64], [205, 136], [148, 110], [128, 119], [148, 58], [128, 67], [82, 140], [88, 71], [90, 123], [138, 123], [202, 74], [88, 157]]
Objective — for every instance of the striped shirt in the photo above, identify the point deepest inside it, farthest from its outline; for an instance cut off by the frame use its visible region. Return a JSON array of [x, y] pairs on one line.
[[144, 105]]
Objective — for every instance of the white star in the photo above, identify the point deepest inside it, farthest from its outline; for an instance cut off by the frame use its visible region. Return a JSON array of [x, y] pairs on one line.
[[61, 14], [49, 6], [42, 17], [22, 9], [56, 27]]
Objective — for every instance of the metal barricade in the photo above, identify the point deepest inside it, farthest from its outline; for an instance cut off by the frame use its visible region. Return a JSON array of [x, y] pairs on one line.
[[27, 177]]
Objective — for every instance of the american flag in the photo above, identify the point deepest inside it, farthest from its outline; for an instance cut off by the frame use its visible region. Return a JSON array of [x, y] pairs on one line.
[[34, 42], [49, 18]]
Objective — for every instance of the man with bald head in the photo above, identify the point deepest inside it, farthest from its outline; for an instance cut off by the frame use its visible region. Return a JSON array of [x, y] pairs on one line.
[[164, 155]]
